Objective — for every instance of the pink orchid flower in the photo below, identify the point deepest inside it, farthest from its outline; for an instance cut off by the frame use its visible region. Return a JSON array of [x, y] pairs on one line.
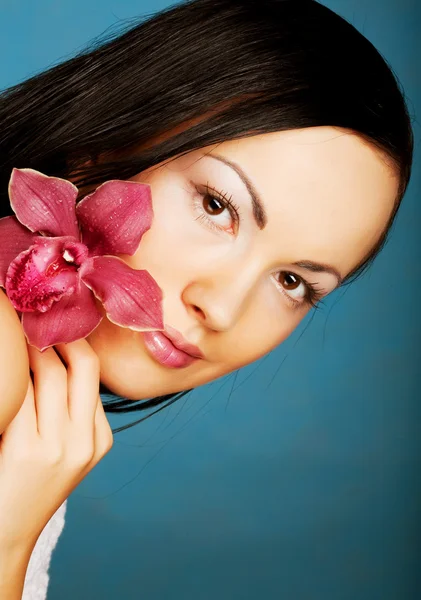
[[55, 263]]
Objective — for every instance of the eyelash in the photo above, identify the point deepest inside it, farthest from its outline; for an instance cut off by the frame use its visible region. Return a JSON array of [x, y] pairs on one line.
[[221, 197], [313, 295]]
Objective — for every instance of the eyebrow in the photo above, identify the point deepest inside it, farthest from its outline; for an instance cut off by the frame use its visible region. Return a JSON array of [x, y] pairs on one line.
[[259, 212], [260, 217], [315, 267]]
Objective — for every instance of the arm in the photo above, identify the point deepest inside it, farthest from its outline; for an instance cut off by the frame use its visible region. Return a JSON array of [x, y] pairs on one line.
[[14, 365], [14, 369], [13, 566], [58, 435]]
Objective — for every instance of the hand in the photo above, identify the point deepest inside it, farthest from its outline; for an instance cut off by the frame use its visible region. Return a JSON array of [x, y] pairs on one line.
[[14, 363], [59, 434]]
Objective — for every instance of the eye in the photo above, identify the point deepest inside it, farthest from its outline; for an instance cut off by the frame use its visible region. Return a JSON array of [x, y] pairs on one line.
[[296, 289], [292, 284], [216, 210]]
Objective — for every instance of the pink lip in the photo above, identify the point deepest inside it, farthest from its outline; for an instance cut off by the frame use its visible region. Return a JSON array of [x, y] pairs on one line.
[[170, 348], [179, 342]]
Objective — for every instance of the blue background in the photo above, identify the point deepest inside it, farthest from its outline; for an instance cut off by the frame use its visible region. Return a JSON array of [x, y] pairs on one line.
[[297, 478]]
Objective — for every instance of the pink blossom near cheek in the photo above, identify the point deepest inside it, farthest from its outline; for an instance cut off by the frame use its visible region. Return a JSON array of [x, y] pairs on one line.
[[115, 216], [44, 204], [14, 239], [44, 273], [71, 319], [52, 261], [131, 297]]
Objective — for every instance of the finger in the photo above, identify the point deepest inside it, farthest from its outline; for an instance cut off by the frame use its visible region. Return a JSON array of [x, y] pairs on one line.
[[103, 436], [50, 390], [83, 379], [24, 424]]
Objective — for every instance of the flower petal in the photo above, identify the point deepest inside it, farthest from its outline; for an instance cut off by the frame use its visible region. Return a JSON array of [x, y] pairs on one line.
[[44, 273], [72, 318], [131, 297], [44, 204], [14, 239], [115, 216]]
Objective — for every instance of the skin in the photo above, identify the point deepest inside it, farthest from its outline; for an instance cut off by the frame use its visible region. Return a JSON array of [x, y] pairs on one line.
[[14, 364], [327, 196]]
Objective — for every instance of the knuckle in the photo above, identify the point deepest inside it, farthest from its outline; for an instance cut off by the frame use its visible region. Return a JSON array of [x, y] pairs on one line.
[[54, 370], [79, 357], [86, 357], [49, 363], [91, 359], [57, 372], [48, 360], [105, 435], [103, 446], [81, 457], [108, 440], [53, 455]]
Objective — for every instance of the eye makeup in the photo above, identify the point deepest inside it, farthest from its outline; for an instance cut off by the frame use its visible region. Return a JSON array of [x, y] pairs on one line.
[[223, 202], [311, 297]]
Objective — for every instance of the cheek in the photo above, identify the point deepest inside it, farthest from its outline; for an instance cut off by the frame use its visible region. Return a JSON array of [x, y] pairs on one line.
[[168, 238], [265, 325], [177, 246]]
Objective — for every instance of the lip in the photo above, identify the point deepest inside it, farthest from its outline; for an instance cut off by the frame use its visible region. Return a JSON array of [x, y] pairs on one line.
[[170, 349], [179, 342]]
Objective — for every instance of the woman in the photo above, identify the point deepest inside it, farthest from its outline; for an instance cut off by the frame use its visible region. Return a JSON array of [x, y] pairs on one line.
[[278, 147]]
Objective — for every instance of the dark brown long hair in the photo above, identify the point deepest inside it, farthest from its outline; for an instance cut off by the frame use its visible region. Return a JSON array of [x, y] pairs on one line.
[[275, 64]]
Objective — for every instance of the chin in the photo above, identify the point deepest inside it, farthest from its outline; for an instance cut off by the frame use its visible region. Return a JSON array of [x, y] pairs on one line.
[[145, 391], [128, 372]]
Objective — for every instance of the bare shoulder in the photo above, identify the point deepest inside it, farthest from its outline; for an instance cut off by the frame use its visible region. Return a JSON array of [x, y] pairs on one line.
[[14, 365]]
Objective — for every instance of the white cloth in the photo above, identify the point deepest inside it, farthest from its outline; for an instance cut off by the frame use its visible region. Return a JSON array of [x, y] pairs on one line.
[[37, 577]]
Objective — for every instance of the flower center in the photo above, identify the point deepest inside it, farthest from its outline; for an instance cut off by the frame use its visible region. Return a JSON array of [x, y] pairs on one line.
[[68, 257], [71, 257], [45, 273]]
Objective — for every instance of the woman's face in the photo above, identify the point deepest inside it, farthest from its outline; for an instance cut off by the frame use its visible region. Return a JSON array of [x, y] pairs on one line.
[[246, 234]]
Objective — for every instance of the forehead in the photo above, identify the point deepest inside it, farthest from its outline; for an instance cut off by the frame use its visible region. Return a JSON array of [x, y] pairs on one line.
[[327, 193]]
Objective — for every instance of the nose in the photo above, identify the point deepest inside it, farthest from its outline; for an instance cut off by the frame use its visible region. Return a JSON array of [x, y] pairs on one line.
[[219, 301]]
